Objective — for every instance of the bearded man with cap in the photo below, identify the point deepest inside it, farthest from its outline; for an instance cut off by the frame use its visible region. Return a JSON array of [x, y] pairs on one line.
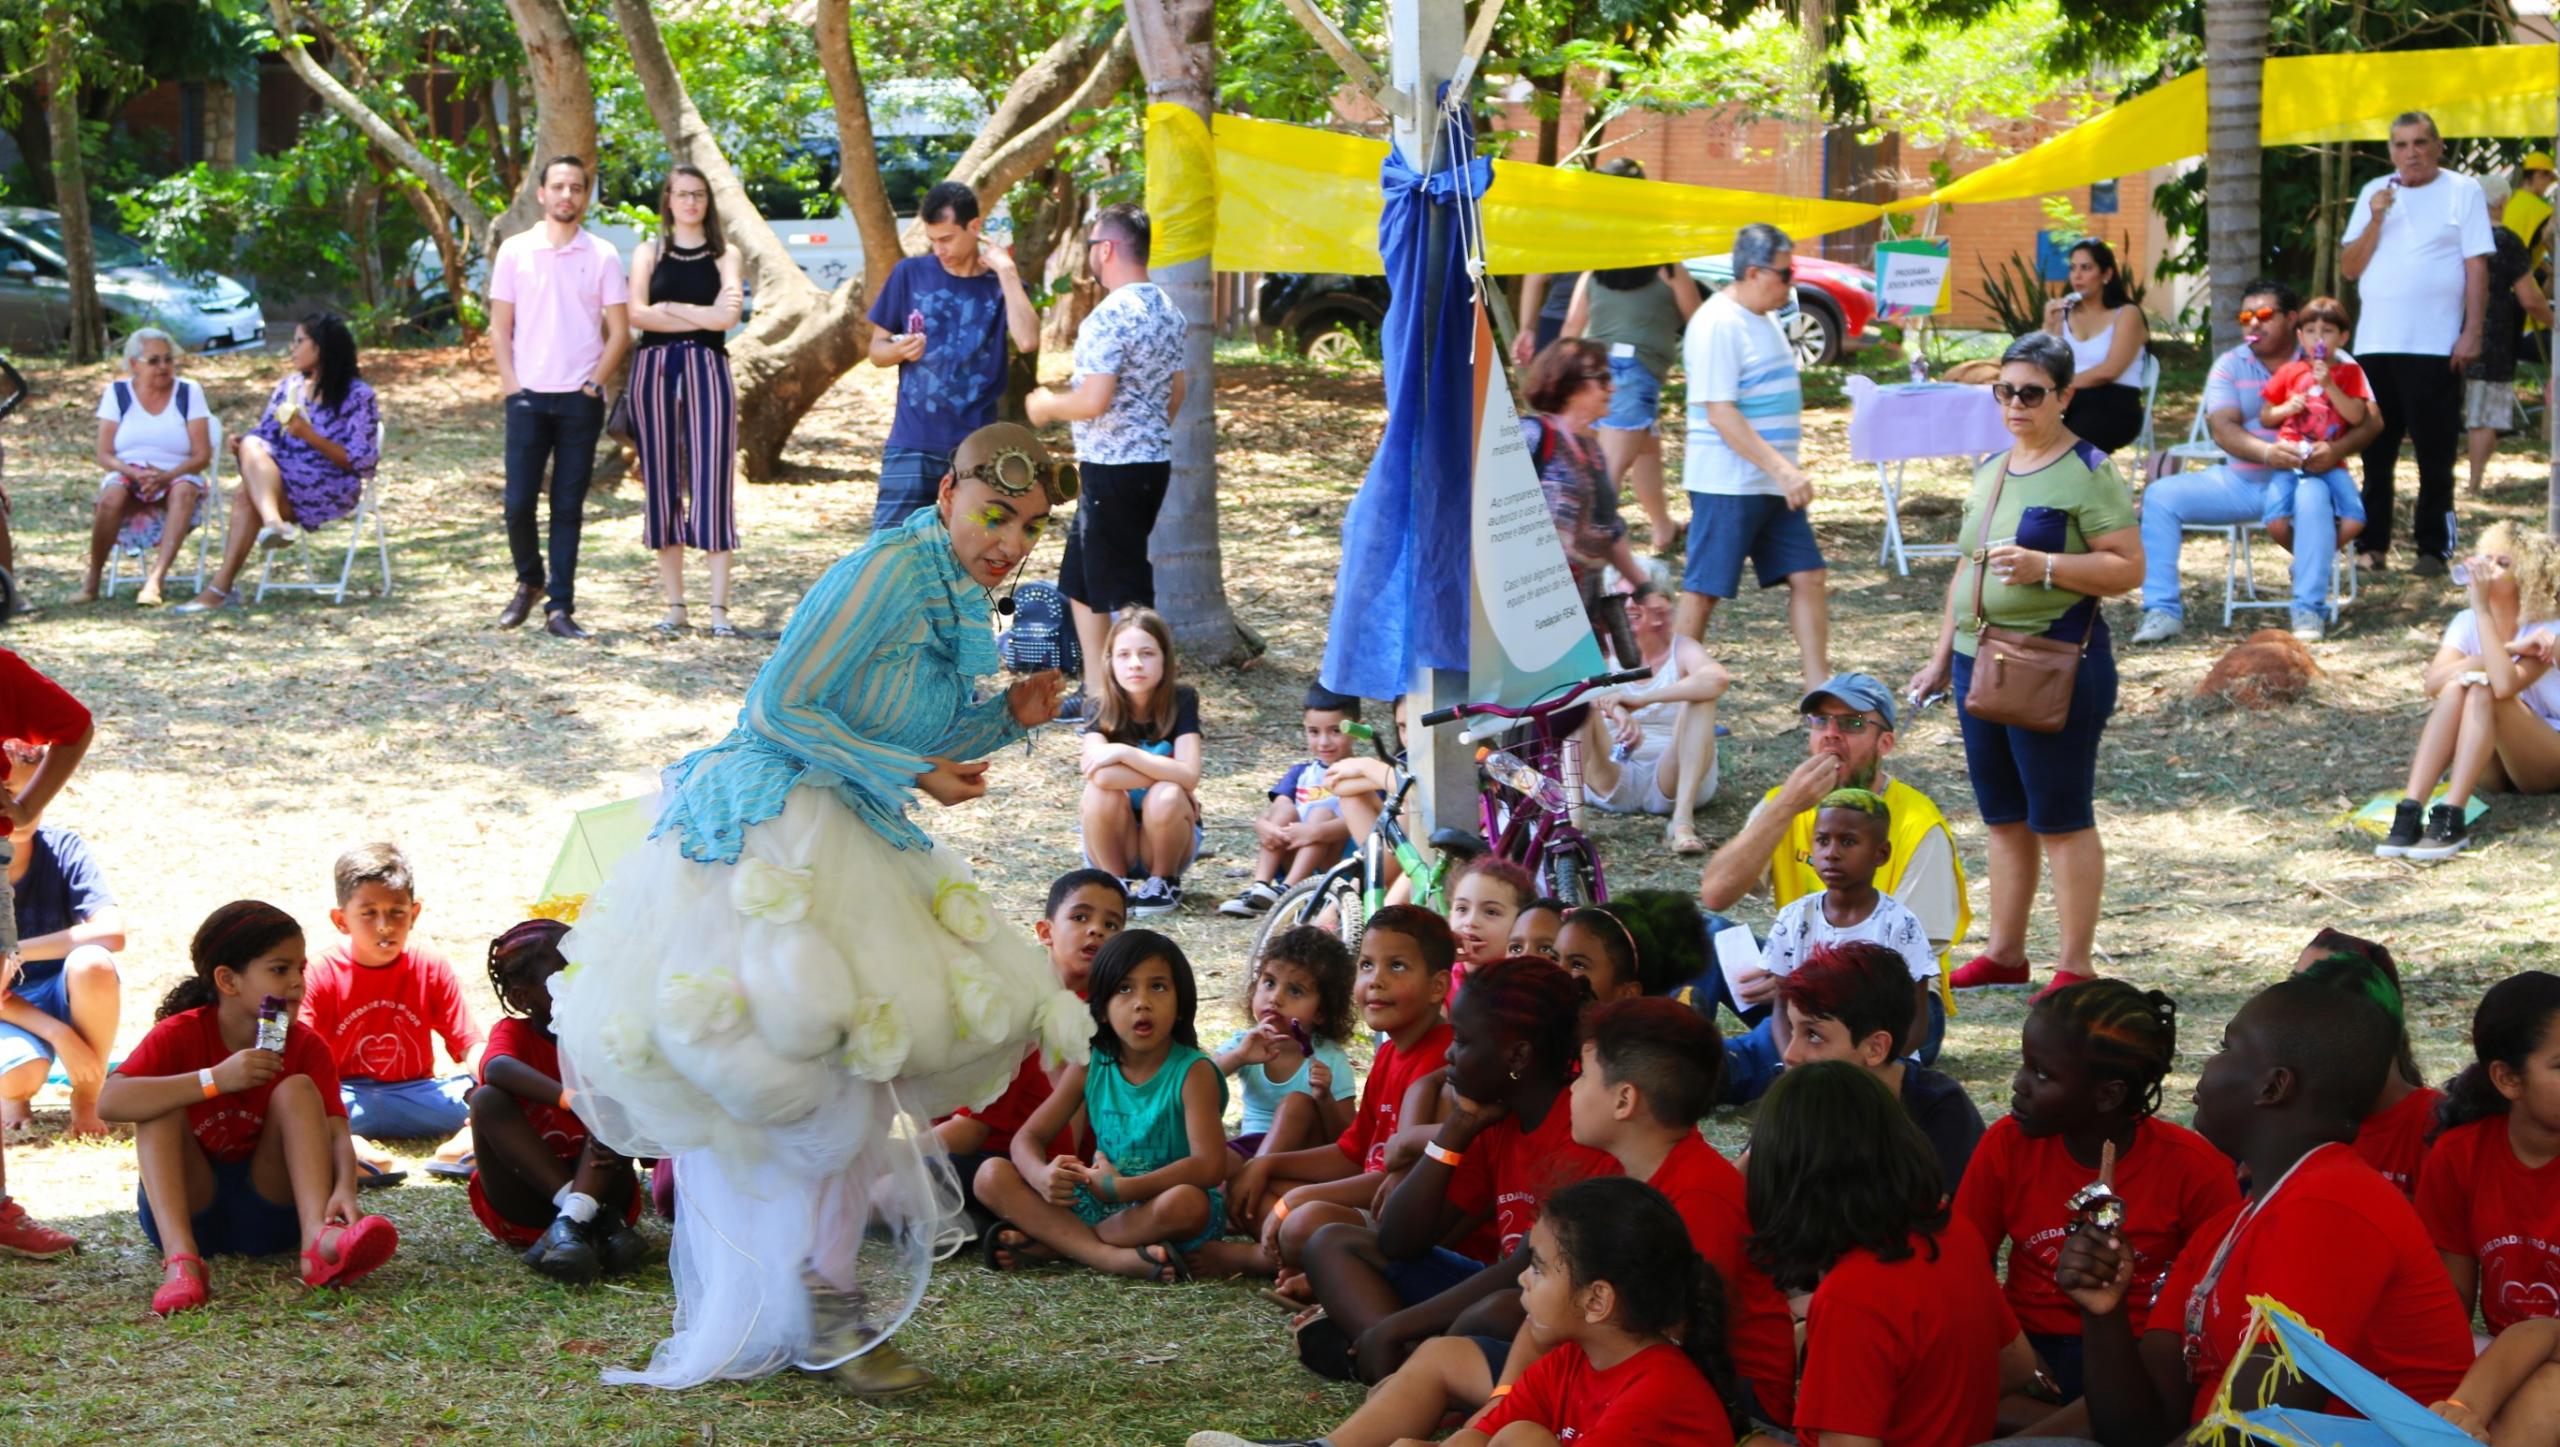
[[791, 978], [1849, 734]]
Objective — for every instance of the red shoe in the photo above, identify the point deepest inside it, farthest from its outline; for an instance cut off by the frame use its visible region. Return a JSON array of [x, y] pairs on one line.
[[1985, 973], [180, 1292], [362, 1247], [2062, 980], [23, 1235]]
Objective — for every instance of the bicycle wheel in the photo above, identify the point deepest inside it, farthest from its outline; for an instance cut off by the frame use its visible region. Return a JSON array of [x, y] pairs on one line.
[[1573, 874], [1307, 901]]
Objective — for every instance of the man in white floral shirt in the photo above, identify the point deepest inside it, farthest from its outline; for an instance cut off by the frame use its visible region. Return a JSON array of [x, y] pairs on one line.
[[1121, 400]]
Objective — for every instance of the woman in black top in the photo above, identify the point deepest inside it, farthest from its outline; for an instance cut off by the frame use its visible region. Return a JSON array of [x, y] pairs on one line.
[[685, 295]]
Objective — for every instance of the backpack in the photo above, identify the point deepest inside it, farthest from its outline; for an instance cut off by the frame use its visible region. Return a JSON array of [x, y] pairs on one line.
[[124, 399], [1042, 635], [1542, 444]]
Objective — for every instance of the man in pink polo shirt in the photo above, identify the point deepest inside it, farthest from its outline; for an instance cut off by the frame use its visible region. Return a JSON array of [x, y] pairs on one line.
[[558, 324]]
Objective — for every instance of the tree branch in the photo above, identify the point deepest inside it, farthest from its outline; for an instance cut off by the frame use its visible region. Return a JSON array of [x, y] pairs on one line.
[[1003, 165], [451, 193], [857, 152]]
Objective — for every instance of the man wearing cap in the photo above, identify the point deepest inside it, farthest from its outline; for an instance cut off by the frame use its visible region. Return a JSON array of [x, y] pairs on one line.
[[2529, 209], [1848, 723]]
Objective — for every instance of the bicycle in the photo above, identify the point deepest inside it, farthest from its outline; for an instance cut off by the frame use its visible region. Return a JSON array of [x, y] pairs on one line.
[[1526, 794], [1356, 887]]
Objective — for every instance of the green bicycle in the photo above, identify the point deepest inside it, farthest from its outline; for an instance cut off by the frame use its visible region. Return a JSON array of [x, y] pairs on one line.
[[1345, 895]]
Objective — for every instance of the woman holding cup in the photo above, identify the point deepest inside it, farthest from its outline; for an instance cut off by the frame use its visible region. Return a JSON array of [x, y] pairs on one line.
[[2051, 531]]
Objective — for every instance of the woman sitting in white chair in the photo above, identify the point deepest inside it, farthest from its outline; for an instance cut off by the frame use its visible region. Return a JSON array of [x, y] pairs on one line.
[[155, 439], [306, 461]]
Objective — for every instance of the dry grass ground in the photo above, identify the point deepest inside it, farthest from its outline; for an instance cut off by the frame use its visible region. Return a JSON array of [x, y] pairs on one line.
[[238, 755]]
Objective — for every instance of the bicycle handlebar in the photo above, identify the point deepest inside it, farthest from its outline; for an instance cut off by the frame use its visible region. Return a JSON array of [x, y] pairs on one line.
[[1453, 712]]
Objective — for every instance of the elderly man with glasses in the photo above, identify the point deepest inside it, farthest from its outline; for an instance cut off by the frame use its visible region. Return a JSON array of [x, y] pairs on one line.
[[1849, 733]]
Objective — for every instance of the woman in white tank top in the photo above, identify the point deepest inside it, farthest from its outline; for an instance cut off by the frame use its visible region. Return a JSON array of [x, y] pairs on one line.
[[2106, 333]]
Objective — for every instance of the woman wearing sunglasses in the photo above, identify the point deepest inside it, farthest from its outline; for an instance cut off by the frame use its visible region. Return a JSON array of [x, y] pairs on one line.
[[2051, 531], [789, 979]]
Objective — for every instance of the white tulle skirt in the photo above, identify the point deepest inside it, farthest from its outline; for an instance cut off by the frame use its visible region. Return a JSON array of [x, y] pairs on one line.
[[784, 1028]]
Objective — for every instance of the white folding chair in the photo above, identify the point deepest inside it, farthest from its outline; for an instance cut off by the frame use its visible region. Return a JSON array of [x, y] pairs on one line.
[[2239, 577], [2146, 444], [368, 514], [208, 508]]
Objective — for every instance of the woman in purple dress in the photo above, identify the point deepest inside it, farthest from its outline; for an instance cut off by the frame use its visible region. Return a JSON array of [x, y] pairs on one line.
[[306, 461]]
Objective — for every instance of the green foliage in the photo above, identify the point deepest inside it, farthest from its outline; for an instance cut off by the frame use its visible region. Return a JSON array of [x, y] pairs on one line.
[[754, 75], [2013, 292]]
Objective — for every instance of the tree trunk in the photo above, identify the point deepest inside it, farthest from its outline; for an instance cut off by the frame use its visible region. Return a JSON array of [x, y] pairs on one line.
[[859, 185], [71, 186], [564, 104], [454, 197], [1550, 118], [801, 339], [364, 205], [1176, 50], [2235, 57]]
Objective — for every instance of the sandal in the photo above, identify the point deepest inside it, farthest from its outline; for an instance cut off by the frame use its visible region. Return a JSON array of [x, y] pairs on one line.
[[722, 629], [181, 1292], [362, 1247], [671, 625], [222, 598], [370, 1177], [1169, 1260], [1684, 840], [991, 1243]]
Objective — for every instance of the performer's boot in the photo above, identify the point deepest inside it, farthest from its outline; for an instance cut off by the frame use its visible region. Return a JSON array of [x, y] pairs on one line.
[[883, 1371], [839, 1323]]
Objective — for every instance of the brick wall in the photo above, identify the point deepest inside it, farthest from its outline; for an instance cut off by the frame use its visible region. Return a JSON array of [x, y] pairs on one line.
[[1722, 148]]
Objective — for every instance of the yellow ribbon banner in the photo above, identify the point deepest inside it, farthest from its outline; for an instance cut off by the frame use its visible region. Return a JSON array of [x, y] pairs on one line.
[[1182, 210]]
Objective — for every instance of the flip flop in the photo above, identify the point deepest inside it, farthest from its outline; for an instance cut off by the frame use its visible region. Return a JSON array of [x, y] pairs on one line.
[[1170, 1260], [990, 1242], [452, 1170], [370, 1177], [362, 1247]]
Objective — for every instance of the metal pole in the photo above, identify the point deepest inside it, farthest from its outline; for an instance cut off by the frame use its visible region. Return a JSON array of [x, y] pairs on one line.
[[1426, 39]]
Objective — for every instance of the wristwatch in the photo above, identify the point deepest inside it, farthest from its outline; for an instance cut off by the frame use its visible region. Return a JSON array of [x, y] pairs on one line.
[[592, 386]]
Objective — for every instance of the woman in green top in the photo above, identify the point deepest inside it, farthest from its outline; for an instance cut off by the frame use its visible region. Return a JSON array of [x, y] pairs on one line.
[[2061, 537], [1637, 312]]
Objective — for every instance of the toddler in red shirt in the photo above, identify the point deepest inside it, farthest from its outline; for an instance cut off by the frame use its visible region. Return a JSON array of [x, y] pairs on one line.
[[2401, 1123], [2491, 1193], [33, 710], [2091, 1061], [541, 1182], [1086, 908], [377, 1001], [2314, 399], [1908, 1339], [242, 1138]]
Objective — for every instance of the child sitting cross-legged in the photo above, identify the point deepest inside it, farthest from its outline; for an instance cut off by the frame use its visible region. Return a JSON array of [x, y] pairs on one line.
[[1908, 1340], [1852, 1002], [1301, 830], [242, 1138], [1492, 1163], [541, 1182], [1284, 1198], [2490, 1194], [1086, 908], [1298, 1085], [2091, 1062], [1153, 1189], [378, 1002]]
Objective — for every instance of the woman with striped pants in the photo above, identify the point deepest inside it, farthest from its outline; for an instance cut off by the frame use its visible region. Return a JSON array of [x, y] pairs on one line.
[[685, 295]]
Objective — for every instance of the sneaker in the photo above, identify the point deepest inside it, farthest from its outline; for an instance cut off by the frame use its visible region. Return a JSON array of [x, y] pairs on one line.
[[2446, 835], [2159, 627], [2309, 626], [23, 1235], [1251, 900], [1986, 973], [2408, 825], [1149, 898], [565, 1254]]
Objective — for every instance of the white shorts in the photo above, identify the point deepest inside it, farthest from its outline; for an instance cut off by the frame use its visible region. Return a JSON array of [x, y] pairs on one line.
[[1639, 786]]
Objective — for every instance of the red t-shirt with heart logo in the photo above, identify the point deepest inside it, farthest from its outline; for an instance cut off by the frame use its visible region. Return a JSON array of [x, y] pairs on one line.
[[378, 1023], [227, 1126]]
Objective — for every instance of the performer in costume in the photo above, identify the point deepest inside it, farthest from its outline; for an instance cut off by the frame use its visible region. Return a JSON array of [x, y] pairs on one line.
[[790, 978]]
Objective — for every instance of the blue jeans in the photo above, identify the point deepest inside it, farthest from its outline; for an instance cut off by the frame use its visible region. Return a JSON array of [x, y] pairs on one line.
[[558, 429], [405, 1110], [1635, 401], [2221, 496], [2049, 782], [910, 479], [2345, 502]]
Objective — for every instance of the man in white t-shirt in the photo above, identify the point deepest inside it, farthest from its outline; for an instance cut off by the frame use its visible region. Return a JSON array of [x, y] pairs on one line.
[[2418, 246], [1747, 496]]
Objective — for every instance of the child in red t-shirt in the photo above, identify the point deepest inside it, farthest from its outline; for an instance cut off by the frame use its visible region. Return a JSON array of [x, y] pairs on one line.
[[1485, 896], [2313, 399], [1086, 908], [2091, 1062], [1514, 1042], [33, 710], [2401, 1123], [2491, 1193], [237, 1121], [378, 1001], [541, 1182]]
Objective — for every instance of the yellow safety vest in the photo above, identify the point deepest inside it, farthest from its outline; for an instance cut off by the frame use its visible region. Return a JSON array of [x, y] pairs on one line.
[[1791, 877], [2525, 215]]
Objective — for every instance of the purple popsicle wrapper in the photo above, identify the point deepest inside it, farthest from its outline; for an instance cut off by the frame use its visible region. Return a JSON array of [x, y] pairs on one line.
[[274, 1016]]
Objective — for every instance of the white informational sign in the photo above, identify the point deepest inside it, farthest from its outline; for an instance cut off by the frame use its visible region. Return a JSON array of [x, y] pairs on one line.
[[1911, 277], [1529, 632], [1738, 955]]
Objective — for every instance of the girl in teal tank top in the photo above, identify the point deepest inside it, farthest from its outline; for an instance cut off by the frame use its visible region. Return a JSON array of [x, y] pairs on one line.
[[1153, 1190]]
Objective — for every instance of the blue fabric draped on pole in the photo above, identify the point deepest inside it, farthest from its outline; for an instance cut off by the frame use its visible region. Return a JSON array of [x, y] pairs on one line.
[[1401, 598]]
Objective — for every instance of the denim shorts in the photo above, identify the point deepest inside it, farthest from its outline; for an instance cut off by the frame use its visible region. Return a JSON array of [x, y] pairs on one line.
[[1635, 397], [2049, 781], [1429, 1274], [2346, 502], [1726, 527], [52, 995]]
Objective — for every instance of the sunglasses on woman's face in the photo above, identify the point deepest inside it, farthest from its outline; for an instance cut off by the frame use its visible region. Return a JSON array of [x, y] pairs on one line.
[[2031, 395], [2250, 318]]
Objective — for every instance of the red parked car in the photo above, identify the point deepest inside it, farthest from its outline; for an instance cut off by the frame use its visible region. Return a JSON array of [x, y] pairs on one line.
[[1834, 304]]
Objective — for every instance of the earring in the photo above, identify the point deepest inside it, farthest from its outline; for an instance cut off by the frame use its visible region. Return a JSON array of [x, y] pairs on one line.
[[1515, 1075]]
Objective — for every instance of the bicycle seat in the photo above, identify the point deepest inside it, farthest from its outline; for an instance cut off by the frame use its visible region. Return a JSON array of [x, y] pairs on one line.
[[1458, 843]]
